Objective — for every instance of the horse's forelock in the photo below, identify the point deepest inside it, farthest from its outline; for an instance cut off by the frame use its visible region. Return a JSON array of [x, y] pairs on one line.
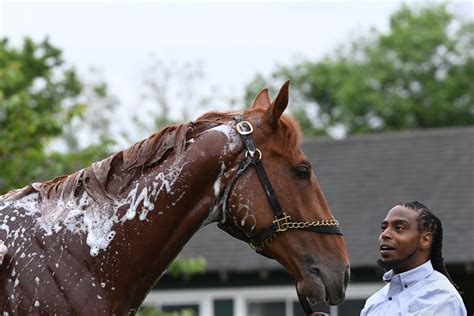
[[291, 133]]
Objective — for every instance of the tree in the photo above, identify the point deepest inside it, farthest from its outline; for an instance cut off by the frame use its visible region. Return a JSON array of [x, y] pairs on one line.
[[419, 74], [167, 89], [39, 100], [42, 101]]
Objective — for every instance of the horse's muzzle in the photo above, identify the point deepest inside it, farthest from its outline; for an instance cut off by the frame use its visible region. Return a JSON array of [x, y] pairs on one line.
[[325, 285]]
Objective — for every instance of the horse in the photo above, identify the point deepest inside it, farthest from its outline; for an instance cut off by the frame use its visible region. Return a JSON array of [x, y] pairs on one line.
[[96, 241]]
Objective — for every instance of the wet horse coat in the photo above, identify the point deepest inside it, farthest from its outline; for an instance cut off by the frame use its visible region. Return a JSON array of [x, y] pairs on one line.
[[97, 240]]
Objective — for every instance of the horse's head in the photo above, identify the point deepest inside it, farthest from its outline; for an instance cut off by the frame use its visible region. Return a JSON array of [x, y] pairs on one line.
[[274, 203]]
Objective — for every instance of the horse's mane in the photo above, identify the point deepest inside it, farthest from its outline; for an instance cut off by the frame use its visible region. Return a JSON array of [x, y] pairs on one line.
[[141, 155]]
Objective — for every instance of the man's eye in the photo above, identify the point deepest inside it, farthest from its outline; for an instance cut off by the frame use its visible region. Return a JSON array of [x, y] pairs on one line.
[[399, 228]]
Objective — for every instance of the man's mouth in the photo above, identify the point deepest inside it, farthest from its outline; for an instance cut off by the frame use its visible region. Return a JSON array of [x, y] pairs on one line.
[[386, 248]]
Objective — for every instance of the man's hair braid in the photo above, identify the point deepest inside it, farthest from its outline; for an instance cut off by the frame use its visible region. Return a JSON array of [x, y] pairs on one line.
[[428, 222]]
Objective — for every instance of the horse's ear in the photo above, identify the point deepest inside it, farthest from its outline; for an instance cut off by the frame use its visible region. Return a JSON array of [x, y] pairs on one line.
[[262, 99], [278, 106]]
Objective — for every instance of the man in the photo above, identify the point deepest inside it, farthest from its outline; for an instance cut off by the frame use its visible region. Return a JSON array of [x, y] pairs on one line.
[[418, 283]]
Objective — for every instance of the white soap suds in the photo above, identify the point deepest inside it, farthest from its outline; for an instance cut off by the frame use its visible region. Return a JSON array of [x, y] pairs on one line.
[[84, 215], [233, 139]]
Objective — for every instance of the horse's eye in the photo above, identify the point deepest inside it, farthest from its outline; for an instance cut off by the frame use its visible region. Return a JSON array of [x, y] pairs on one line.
[[302, 171]]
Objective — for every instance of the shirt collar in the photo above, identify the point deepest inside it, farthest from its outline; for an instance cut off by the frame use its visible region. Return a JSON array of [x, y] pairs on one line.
[[411, 276]]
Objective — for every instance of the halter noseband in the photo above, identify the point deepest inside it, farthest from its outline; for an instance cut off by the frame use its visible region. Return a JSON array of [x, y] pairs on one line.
[[282, 222]]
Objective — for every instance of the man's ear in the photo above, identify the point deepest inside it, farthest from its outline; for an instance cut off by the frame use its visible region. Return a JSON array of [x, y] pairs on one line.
[[426, 240]]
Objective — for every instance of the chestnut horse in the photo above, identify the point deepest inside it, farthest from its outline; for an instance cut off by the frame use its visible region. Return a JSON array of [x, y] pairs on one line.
[[96, 241]]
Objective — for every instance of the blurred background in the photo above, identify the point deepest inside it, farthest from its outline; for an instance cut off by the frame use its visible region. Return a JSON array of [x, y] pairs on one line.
[[383, 90]]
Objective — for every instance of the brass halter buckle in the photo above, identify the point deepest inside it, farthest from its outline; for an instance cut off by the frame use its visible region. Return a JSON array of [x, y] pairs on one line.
[[282, 223], [244, 128]]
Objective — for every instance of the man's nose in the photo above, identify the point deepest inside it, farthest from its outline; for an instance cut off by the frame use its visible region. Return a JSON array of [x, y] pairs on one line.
[[385, 234]]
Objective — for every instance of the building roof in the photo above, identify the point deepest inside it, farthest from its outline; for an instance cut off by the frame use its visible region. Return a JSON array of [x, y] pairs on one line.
[[362, 178]]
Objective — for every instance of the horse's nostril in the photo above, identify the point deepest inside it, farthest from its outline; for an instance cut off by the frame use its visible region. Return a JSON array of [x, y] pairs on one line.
[[347, 276], [314, 269]]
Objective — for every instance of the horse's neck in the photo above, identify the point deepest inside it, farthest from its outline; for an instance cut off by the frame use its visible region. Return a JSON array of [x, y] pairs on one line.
[[135, 220], [166, 207]]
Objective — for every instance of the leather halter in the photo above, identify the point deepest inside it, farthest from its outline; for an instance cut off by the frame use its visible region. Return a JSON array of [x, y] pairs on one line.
[[282, 221]]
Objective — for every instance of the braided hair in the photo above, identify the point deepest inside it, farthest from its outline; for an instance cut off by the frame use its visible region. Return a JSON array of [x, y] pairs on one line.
[[428, 222]]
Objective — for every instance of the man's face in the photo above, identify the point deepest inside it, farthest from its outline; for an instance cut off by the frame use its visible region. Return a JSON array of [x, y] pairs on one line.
[[400, 241]]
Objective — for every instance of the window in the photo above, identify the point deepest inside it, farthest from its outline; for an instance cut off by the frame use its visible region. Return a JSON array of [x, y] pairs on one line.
[[224, 307]]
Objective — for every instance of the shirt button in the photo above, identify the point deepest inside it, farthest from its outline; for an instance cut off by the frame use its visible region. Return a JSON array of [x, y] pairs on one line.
[[406, 285], [389, 298]]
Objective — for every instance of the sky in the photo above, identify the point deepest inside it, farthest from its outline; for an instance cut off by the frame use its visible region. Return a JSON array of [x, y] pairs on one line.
[[230, 41]]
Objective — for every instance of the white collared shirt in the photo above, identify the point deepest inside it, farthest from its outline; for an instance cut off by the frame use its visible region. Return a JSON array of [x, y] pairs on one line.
[[420, 291]]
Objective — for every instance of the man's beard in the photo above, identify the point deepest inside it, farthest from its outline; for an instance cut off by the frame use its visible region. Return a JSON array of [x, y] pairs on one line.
[[396, 263]]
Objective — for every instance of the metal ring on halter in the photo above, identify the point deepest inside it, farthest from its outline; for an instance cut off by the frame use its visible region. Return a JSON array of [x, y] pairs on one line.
[[247, 153], [244, 128]]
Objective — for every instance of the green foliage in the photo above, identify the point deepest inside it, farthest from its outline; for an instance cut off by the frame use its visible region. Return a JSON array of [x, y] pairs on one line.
[[153, 311], [419, 74], [38, 101], [61, 163], [187, 267], [30, 107]]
